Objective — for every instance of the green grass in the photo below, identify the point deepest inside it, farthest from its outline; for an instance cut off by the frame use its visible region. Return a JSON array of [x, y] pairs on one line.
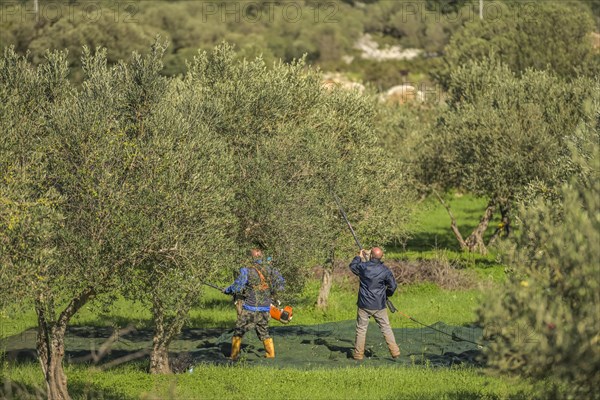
[[242, 382], [427, 303], [120, 313]]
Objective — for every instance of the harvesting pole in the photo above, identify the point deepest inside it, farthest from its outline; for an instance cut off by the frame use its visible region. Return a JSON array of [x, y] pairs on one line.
[[337, 201], [388, 302]]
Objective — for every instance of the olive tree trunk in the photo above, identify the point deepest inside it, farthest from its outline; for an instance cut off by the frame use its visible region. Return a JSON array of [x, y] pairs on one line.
[[51, 351], [474, 243], [159, 358], [326, 283], [165, 329], [50, 342]]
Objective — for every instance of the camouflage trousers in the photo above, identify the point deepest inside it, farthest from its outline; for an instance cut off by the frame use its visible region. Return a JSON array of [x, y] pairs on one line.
[[253, 319]]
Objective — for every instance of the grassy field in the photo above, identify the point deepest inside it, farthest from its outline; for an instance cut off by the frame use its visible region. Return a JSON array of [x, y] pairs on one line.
[[426, 302], [240, 382]]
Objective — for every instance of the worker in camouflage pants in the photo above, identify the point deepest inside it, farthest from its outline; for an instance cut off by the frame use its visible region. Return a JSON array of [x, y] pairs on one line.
[[252, 319], [256, 283]]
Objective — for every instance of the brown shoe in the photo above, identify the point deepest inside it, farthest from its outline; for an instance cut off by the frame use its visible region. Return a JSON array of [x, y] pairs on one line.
[[394, 350]]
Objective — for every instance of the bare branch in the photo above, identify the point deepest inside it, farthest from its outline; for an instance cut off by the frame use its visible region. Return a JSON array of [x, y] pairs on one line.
[[453, 226]]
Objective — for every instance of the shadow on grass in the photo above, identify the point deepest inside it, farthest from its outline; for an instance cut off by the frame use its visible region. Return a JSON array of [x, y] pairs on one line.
[[431, 242], [471, 395], [87, 390], [212, 322], [456, 257], [110, 321], [10, 390]]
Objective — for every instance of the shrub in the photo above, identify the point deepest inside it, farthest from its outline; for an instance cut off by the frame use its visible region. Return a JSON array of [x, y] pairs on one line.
[[547, 35], [547, 312]]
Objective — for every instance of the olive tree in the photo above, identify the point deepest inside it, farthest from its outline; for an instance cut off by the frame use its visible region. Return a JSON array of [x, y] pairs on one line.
[[31, 214], [181, 181], [365, 176], [294, 144], [500, 133], [184, 199], [105, 187]]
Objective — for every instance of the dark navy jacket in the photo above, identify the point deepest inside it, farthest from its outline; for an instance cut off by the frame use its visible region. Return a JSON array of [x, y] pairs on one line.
[[377, 283]]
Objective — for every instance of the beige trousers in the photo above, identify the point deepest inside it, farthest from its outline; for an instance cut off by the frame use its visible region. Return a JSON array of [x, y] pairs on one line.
[[362, 323]]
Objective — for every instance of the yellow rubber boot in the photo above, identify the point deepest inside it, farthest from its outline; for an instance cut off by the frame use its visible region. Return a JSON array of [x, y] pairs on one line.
[[269, 348], [236, 345]]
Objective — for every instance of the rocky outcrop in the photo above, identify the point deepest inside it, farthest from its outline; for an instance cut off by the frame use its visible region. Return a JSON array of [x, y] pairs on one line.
[[402, 94], [338, 80], [370, 50]]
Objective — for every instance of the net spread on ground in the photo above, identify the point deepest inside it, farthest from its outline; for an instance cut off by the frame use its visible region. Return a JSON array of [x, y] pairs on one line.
[[298, 346]]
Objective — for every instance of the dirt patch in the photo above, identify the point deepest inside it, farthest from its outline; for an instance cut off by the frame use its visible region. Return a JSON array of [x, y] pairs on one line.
[[439, 272]]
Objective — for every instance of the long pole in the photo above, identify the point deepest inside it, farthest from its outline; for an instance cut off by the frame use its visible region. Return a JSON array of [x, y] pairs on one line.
[[337, 201], [388, 302], [213, 286]]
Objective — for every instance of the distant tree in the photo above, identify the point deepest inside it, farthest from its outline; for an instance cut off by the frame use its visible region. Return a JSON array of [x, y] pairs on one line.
[[445, 6], [594, 6], [501, 133], [545, 35]]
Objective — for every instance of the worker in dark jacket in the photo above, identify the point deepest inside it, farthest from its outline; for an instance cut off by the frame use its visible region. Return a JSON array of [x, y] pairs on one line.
[[257, 283], [377, 283]]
